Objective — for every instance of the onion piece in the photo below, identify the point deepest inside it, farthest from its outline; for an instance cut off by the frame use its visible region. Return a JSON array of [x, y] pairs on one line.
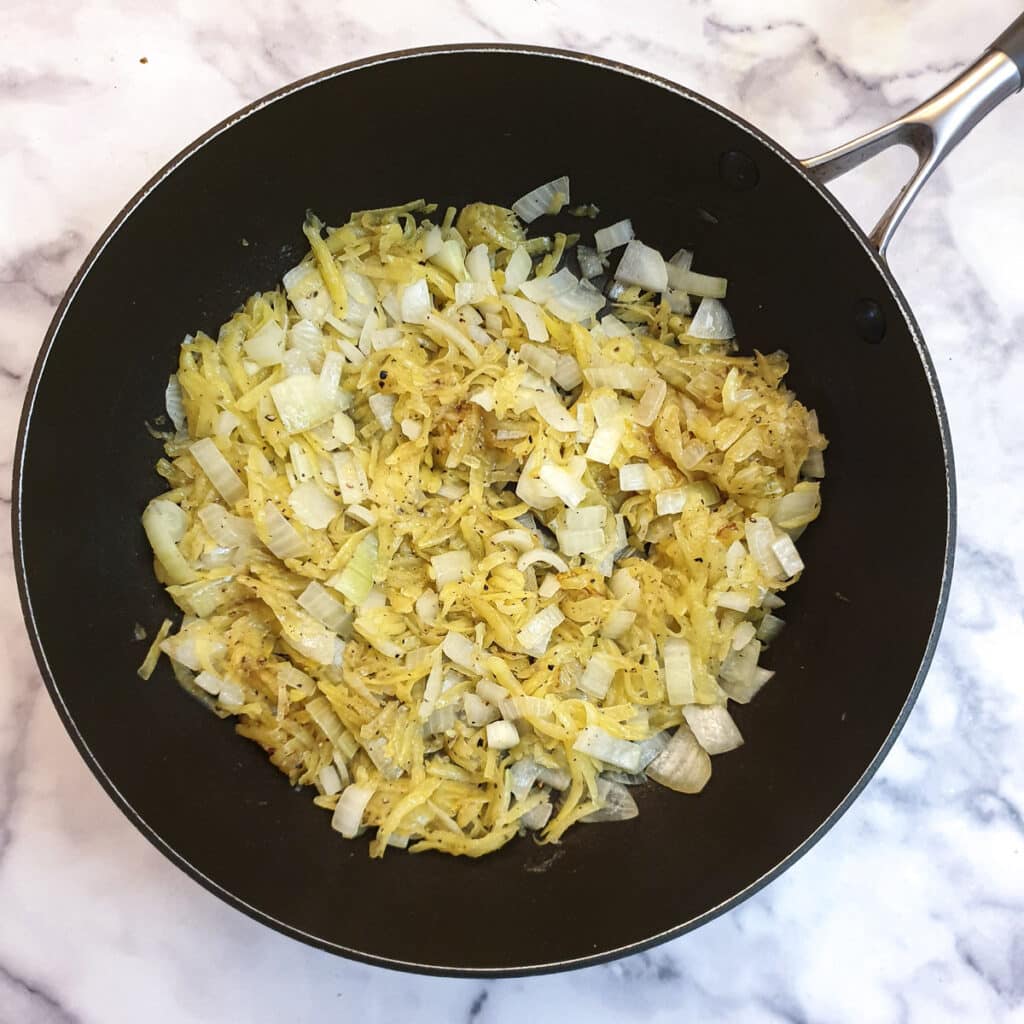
[[532, 317], [711, 321], [493, 693], [683, 766], [501, 735], [478, 711], [302, 403], [548, 587], [225, 480], [352, 481], [551, 410], [566, 487], [605, 443], [597, 676], [355, 581], [770, 628], [618, 377], [739, 668], [617, 803], [602, 746], [789, 558], [317, 600], [517, 270], [567, 373], [541, 555], [431, 242], [415, 304], [670, 503], [635, 476], [743, 634], [618, 623], [547, 198], [329, 779], [266, 346], [312, 507], [592, 263], [427, 606], [543, 360], [283, 539], [348, 812], [382, 407], [614, 235], [227, 530], [760, 534], [685, 280], [678, 662], [520, 539], [543, 289], [651, 402], [577, 304], [451, 566], [713, 728], [461, 651], [641, 265], [535, 635], [174, 403], [522, 775], [814, 466]]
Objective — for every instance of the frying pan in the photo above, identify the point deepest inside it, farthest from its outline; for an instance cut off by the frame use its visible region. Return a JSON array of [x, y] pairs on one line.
[[864, 619]]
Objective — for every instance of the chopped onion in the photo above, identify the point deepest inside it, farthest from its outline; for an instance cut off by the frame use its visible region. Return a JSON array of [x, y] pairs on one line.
[[597, 676], [760, 534], [468, 292], [711, 321], [683, 766], [411, 428], [543, 289], [536, 633], [356, 579], [739, 667], [427, 606], [283, 539], [522, 775], [382, 407], [789, 558], [635, 476], [227, 530], [521, 540], [442, 719], [746, 693], [493, 693], [330, 372], [770, 628], [601, 745], [303, 403], [737, 602], [462, 651], [614, 327], [814, 465], [317, 600], [605, 443], [547, 198], [414, 304], [678, 661], [618, 376], [713, 728], [614, 235], [306, 339], [555, 415], [549, 586], [797, 508], [231, 695], [735, 557], [591, 262], [478, 711], [651, 402], [742, 635], [450, 257], [580, 542], [641, 265], [517, 270], [576, 304], [543, 360], [618, 623], [685, 280], [451, 566], [224, 479], [352, 481], [539, 555], [532, 317], [670, 503], [312, 507], [173, 402], [567, 373], [329, 779], [502, 735], [431, 242], [209, 682], [478, 264], [556, 778], [266, 346], [348, 813], [617, 803], [566, 487], [678, 302]]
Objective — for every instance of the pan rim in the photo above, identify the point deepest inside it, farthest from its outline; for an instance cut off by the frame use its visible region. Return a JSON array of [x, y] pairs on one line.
[[109, 784]]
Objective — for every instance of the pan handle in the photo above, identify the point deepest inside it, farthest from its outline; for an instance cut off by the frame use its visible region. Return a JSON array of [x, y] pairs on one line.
[[934, 128]]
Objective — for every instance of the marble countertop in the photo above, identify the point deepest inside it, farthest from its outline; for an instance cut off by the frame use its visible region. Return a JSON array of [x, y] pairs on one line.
[[912, 908]]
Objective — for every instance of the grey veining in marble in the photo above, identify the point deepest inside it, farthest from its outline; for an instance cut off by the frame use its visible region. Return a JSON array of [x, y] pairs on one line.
[[912, 908]]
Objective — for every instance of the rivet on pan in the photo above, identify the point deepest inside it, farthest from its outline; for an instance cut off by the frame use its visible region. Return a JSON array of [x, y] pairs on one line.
[[738, 171], [869, 320]]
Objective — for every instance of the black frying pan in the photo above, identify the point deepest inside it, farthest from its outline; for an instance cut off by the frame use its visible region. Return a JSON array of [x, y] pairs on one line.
[[864, 619]]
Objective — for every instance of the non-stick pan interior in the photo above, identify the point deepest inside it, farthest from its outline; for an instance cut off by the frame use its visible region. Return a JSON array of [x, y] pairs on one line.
[[454, 127]]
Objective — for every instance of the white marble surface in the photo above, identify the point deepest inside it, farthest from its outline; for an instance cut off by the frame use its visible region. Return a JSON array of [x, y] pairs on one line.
[[911, 908]]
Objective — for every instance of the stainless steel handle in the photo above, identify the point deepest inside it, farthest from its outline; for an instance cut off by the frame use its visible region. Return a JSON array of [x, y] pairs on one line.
[[932, 130]]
